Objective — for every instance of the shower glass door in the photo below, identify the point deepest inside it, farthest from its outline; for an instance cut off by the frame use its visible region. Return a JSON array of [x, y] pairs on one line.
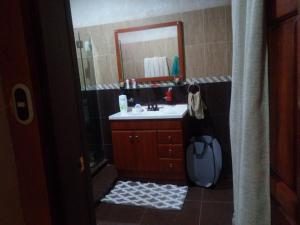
[[84, 49]]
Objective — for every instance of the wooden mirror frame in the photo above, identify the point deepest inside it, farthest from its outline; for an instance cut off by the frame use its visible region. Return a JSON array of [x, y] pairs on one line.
[[179, 25]]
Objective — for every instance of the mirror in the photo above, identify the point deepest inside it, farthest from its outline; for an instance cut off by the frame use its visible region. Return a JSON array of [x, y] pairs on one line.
[[150, 53]]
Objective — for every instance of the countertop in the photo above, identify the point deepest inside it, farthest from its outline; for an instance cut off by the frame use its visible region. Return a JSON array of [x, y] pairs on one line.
[[165, 112]]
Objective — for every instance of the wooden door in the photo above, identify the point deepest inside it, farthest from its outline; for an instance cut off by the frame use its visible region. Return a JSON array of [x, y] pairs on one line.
[[43, 49], [146, 150], [283, 126], [124, 150], [280, 9]]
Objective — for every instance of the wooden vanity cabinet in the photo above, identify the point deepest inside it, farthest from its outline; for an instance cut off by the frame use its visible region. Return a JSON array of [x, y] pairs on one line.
[[135, 150], [150, 149]]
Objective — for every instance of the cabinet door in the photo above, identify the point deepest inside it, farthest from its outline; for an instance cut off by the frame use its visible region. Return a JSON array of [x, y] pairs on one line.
[[282, 83], [124, 150], [146, 151]]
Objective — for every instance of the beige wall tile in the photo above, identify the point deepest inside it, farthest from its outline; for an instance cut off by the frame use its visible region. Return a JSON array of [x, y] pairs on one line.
[[133, 69], [216, 58], [140, 68], [193, 23], [172, 47], [103, 72], [100, 43], [155, 20], [215, 24], [114, 68], [228, 24], [109, 37], [207, 35], [128, 51], [195, 60], [129, 69], [229, 57], [157, 48]]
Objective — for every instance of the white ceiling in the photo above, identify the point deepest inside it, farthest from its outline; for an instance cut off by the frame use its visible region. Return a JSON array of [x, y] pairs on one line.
[[94, 12]]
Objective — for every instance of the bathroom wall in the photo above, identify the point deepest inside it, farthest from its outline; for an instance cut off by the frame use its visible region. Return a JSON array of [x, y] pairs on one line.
[[95, 12], [216, 95], [207, 40], [208, 53], [10, 209]]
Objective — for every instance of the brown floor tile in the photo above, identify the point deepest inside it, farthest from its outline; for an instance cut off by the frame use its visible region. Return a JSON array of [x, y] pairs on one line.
[[100, 193], [277, 215], [217, 195], [225, 182], [194, 194], [111, 214], [103, 181], [216, 208], [216, 213], [189, 215]]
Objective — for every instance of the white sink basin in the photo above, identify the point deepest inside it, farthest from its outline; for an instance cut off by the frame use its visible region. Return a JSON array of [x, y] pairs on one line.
[[165, 112]]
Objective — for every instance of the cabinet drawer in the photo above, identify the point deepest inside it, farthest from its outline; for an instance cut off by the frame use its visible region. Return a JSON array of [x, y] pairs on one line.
[[169, 137], [170, 151], [146, 124], [166, 165]]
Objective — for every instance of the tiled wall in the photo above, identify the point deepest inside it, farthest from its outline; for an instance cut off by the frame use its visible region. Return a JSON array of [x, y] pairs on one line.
[[216, 96], [133, 55], [10, 209], [207, 39]]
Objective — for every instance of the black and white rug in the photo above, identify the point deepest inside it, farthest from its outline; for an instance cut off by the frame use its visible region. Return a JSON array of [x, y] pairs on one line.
[[152, 195]]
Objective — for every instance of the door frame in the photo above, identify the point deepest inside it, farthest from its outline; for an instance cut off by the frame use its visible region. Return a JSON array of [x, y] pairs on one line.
[[43, 57], [64, 93]]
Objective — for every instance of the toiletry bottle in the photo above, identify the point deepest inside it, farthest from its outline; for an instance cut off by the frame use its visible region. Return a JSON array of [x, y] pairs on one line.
[[169, 96], [127, 84], [123, 103], [133, 83]]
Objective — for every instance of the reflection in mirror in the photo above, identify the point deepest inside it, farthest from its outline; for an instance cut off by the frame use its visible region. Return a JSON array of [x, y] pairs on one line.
[[150, 52]]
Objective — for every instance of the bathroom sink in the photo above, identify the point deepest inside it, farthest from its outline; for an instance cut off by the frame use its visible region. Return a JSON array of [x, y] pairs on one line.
[[164, 112]]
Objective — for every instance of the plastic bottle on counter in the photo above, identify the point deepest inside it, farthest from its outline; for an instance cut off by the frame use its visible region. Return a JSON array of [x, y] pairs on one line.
[[123, 105], [133, 82], [127, 84]]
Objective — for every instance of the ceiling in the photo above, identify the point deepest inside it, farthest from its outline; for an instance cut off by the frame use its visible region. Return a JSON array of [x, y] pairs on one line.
[[94, 12]]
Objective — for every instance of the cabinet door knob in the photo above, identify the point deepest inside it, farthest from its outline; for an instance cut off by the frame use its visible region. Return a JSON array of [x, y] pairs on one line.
[[170, 151], [130, 137], [170, 137], [171, 165], [137, 137]]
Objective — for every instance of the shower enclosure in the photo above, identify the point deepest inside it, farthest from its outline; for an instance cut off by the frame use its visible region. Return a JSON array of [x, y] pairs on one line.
[[89, 97]]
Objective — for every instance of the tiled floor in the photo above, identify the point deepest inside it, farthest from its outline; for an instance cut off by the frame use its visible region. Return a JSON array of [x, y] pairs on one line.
[[201, 207]]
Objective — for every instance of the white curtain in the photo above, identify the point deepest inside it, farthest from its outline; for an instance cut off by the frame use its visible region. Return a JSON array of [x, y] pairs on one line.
[[249, 116]]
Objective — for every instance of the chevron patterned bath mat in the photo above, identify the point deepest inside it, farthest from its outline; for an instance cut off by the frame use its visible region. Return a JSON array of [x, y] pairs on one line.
[[147, 194]]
